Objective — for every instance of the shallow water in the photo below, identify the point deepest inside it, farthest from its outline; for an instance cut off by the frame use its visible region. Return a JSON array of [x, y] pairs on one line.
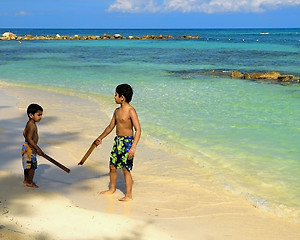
[[245, 133]]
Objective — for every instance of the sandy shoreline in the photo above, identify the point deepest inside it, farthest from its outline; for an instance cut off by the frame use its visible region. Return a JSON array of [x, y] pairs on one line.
[[168, 203]]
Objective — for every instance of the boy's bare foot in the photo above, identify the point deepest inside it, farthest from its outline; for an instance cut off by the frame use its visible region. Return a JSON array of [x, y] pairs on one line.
[[107, 192], [27, 184], [32, 185], [125, 199]]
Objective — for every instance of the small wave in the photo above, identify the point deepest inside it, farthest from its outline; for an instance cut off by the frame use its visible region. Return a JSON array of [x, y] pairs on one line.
[[278, 209]]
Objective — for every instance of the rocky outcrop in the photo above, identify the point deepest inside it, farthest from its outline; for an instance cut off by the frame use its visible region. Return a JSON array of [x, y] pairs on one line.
[[188, 37], [267, 76], [11, 36], [236, 74], [286, 78], [8, 36]]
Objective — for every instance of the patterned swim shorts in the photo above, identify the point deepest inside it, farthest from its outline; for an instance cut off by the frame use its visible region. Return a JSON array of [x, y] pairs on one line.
[[119, 153], [29, 160]]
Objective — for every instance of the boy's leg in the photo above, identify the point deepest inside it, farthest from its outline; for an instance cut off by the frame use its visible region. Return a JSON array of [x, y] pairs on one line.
[[128, 183], [31, 176], [113, 180], [26, 173], [28, 178]]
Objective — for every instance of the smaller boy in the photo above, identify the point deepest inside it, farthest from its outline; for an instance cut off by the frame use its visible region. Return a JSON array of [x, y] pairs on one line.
[[30, 147], [125, 119]]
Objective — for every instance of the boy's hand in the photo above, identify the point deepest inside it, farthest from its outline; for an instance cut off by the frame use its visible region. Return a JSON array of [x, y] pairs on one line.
[[98, 141], [131, 153], [40, 152]]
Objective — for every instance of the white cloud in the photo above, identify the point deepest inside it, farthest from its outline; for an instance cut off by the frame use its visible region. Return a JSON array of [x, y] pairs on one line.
[[22, 13], [206, 6]]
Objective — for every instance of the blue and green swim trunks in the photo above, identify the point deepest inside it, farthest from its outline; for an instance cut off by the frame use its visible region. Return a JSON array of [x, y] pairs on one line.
[[119, 153]]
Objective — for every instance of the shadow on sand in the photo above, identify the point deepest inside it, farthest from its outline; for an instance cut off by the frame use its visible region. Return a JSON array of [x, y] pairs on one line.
[[51, 178]]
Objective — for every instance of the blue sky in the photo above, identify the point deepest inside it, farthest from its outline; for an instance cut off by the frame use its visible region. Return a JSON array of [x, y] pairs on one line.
[[149, 14]]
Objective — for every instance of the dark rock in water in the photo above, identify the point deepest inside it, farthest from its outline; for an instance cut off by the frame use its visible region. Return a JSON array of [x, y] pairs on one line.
[[217, 73], [186, 74], [271, 77], [285, 78], [267, 76], [192, 73], [274, 77]]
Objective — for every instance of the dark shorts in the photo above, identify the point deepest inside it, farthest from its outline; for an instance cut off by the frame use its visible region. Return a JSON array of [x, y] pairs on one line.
[[29, 160], [119, 153]]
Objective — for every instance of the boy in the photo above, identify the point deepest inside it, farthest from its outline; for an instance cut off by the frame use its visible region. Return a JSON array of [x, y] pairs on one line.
[[30, 147], [125, 119]]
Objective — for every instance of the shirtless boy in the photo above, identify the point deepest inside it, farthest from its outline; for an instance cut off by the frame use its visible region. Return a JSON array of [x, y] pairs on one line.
[[126, 121], [30, 147]]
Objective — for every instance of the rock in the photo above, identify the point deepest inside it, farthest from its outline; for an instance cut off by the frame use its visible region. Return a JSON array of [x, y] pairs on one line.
[[93, 37], [9, 35], [247, 76], [267, 75], [285, 78], [117, 36], [76, 37], [236, 74], [29, 36], [188, 37]]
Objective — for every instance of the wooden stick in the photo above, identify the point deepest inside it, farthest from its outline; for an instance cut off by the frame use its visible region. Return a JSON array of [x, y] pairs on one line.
[[87, 154], [56, 163]]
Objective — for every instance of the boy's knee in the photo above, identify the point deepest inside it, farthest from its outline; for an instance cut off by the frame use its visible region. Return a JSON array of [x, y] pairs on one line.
[[125, 171], [112, 168]]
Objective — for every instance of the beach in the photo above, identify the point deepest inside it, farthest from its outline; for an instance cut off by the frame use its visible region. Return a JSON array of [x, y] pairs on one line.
[[167, 201]]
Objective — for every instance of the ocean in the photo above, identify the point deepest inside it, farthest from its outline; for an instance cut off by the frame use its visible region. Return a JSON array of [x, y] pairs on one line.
[[245, 133]]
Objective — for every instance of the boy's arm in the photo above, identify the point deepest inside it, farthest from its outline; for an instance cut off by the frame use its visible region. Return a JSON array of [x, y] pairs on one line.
[[137, 134], [31, 128], [107, 130]]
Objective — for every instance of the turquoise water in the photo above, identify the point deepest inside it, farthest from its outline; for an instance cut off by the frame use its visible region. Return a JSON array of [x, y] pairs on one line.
[[245, 133]]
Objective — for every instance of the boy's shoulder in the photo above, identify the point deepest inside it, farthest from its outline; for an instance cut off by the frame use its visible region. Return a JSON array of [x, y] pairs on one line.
[[127, 107], [130, 108], [30, 123]]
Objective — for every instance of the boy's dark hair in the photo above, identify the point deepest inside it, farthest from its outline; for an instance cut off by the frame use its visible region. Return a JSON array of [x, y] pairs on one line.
[[126, 91], [33, 108]]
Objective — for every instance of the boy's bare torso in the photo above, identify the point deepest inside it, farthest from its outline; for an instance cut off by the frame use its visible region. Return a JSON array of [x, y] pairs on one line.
[[124, 126], [31, 131]]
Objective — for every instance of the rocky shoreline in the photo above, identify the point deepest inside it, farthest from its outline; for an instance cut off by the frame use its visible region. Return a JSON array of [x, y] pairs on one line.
[[27, 37]]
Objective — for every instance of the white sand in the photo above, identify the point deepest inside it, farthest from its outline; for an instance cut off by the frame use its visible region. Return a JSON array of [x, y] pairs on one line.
[[168, 202]]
